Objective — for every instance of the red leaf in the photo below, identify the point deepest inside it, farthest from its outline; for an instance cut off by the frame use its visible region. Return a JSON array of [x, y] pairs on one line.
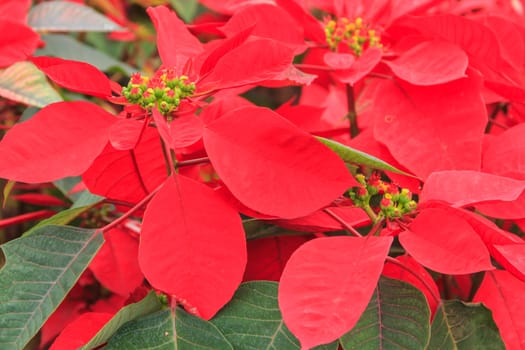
[[128, 175], [17, 42], [505, 153], [465, 187], [268, 256], [36, 215], [431, 128], [338, 60], [81, 330], [175, 42], [60, 140], [445, 243], [311, 26], [67, 311], [39, 199], [183, 131], [504, 210], [512, 258], [125, 133], [361, 67], [327, 284], [192, 246], [255, 151], [504, 294], [116, 265], [430, 63], [74, 75], [320, 221], [394, 271]]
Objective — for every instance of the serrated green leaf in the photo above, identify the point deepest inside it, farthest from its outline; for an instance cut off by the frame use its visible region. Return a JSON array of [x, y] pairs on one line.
[[61, 218], [351, 155], [128, 313], [24, 82], [252, 320], [64, 16], [463, 326], [186, 9], [39, 271], [66, 47], [397, 317], [168, 330]]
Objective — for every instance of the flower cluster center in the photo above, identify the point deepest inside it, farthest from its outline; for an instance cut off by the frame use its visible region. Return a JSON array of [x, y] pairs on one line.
[[164, 90], [356, 35]]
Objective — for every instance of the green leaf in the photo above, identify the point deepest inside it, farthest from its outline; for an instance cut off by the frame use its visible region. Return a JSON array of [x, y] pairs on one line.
[[39, 271], [7, 191], [168, 330], [397, 317], [61, 218], [351, 155], [461, 326], [186, 9], [128, 313], [64, 16], [252, 320], [24, 82], [65, 46]]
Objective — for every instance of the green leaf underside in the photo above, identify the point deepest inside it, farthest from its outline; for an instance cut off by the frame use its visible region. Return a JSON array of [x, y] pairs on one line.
[[252, 320], [128, 313], [463, 326], [40, 270], [397, 317], [66, 47], [168, 330], [24, 82], [351, 155], [65, 16]]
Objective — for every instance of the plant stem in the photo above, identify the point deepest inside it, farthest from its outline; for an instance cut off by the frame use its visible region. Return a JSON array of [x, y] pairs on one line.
[[371, 214], [408, 269], [352, 113], [193, 161], [342, 222]]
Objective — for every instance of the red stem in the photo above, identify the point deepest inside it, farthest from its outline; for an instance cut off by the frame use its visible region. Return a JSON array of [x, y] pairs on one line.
[[342, 222]]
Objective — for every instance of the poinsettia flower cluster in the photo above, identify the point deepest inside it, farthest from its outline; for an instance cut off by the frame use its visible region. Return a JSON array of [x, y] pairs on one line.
[[433, 89]]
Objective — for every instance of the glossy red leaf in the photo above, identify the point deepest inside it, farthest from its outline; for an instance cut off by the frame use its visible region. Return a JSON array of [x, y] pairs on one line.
[[183, 131], [465, 187], [74, 75], [430, 288], [174, 41], [60, 140], [430, 63], [81, 330], [17, 42], [255, 151], [245, 65], [313, 29], [128, 175], [445, 243], [66, 312], [116, 265], [192, 246], [268, 256], [431, 128], [327, 284], [504, 295], [125, 133]]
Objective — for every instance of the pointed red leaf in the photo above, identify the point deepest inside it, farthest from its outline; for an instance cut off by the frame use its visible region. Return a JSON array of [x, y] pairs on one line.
[[174, 41], [66, 312], [313, 29], [430, 63], [504, 295], [128, 175], [504, 210], [183, 131], [75, 75], [327, 284], [125, 133], [81, 330], [116, 265], [465, 187], [267, 257], [17, 42], [256, 151], [505, 153], [361, 67], [60, 140], [445, 243], [512, 258], [431, 128], [192, 246]]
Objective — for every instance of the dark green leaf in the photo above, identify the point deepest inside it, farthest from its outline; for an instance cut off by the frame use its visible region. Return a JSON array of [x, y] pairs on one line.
[[128, 313], [61, 218], [351, 155], [397, 317], [252, 320], [64, 16], [186, 9], [463, 326], [40, 270], [66, 47], [168, 330], [24, 82]]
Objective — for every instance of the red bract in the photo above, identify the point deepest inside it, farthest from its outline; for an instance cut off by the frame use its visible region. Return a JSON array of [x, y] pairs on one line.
[[81, 330]]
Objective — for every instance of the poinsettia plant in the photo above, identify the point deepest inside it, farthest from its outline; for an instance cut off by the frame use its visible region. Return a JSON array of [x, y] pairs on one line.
[[281, 174]]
